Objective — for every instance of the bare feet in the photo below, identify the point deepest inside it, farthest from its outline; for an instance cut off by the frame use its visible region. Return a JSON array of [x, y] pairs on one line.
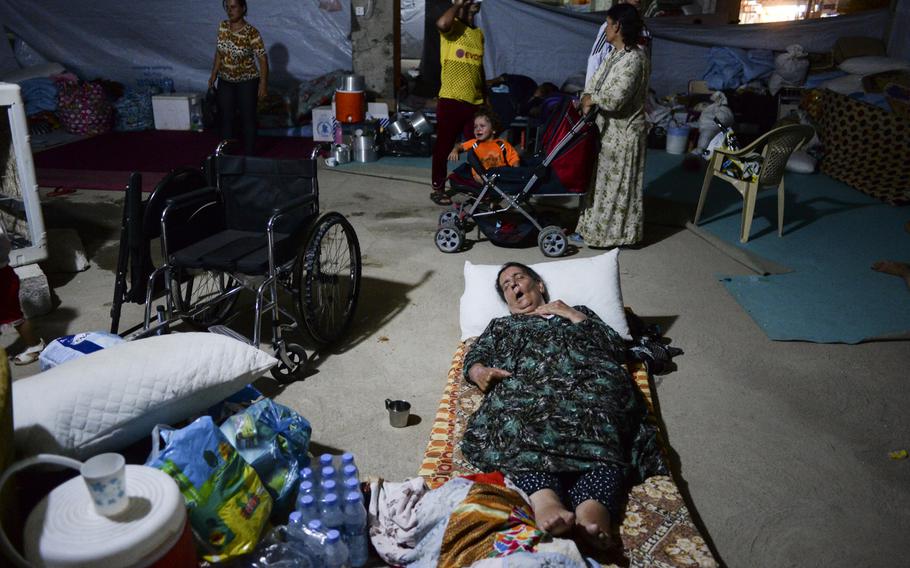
[[593, 524], [901, 269], [551, 514]]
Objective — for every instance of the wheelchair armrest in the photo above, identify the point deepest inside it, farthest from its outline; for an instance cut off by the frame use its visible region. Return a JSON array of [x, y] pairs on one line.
[[295, 203], [191, 198]]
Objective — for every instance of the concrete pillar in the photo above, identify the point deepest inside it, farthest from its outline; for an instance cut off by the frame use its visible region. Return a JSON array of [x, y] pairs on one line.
[[374, 41]]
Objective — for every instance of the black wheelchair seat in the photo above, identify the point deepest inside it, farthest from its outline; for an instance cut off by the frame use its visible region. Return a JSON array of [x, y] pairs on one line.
[[246, 252]]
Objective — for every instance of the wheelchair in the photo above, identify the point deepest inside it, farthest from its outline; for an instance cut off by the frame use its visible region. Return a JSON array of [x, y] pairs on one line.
[[240, 223]]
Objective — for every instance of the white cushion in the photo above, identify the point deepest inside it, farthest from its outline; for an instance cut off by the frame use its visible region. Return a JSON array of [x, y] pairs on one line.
[[114, 397], [869, 64], [591, 282], [846, 85]]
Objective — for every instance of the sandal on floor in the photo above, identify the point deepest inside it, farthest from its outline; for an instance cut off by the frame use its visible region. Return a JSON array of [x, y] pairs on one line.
[[30, 355], [439, 197]]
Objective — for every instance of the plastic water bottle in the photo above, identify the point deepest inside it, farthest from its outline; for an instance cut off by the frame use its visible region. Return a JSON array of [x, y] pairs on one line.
[[307, 474], [350, 470], [329, 472], [328, 486], [355, 528], [351, 484], [336, 552], [325, 460], [347, 458], [313, 538], [308, 507], [309, 488], [300, 539], [331, 513]]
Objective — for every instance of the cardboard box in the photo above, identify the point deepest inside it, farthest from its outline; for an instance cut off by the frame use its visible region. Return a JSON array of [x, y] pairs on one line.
[[177, 111], [323, 124]]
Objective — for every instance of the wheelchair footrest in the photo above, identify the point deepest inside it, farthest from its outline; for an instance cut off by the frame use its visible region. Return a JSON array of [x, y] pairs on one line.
[[226, 331]]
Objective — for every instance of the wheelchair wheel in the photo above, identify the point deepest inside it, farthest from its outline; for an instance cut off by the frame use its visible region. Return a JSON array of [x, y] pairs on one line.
[[285, 373], [192, 287], [552, 241], [328, 277]]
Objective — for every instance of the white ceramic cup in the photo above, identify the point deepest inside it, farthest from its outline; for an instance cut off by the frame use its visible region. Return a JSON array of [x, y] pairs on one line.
[[105, 478]]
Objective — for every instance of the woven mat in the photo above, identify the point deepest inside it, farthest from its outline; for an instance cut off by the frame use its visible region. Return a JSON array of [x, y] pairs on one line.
[[657, 530]]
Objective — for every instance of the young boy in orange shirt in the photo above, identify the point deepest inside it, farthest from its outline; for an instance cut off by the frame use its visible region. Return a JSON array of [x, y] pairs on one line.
[[491, 152]]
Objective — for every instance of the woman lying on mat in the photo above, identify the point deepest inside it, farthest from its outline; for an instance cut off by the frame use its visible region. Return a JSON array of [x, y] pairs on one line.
[[561, 417]]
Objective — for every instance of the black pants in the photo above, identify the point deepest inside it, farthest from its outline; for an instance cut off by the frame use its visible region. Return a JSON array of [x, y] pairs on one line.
[[604, 484], [239, 98]]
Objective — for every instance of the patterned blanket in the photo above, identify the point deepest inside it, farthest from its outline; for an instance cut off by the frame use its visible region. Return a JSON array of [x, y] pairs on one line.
[[657, 530]]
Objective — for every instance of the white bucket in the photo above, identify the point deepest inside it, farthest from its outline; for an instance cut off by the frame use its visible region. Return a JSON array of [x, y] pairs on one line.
[[677, 139]]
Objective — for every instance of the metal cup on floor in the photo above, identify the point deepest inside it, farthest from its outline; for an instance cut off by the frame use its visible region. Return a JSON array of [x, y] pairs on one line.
[[399, 411]]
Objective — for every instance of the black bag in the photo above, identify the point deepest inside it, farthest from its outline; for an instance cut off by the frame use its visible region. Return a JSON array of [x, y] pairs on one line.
[[210, 114]]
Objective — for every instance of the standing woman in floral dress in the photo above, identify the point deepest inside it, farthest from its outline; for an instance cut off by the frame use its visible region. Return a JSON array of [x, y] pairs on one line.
[[240, 82], [613, 215]]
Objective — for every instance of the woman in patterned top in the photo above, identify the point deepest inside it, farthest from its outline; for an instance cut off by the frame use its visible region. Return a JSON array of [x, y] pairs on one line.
[[561, 415], [239, 81], [613, 213]]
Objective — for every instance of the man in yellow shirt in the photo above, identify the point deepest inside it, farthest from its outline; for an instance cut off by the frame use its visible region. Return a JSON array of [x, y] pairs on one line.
[[461, 93]]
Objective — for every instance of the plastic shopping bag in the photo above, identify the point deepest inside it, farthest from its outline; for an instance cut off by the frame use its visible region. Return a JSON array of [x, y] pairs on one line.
[[228, 505], [274, 440], [69, 347]]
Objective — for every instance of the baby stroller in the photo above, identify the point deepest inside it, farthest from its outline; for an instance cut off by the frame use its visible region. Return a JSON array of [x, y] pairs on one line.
[[500, 205], [243, 223]]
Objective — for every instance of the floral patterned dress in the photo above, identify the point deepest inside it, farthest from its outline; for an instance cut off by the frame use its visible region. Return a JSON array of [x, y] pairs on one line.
[[613, 213], [570, 404]]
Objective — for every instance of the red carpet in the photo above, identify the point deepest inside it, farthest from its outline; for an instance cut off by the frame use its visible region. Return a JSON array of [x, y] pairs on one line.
[[105, 161]]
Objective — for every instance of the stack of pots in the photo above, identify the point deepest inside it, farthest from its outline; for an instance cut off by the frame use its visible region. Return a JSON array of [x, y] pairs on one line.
[[350, 99]]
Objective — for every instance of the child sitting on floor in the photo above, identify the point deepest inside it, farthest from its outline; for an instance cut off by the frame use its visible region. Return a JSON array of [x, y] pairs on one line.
[[10, 312], [492, 152]]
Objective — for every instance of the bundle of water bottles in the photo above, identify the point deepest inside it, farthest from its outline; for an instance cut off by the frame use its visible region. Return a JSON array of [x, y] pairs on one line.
[[329, 524]]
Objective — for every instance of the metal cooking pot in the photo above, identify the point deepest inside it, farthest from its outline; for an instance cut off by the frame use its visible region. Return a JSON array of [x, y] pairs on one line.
[[341, 153], [365, 149], [420, 124], [351, 82], [399, 126]]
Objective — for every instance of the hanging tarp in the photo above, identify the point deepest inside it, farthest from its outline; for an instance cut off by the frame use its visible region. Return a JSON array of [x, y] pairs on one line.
[[412, 14], [561, 41], [120, 40]]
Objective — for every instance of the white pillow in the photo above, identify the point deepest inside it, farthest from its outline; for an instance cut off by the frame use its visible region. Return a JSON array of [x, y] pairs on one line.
[[846, 85], [591, 282], [114, 397], [869, 64]]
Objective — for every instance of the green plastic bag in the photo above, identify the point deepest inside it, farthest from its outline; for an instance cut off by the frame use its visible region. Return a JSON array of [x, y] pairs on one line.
[[227, 503], [274, 440]]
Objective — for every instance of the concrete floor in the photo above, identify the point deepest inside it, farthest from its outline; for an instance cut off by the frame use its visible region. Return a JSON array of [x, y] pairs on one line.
[[782, 447]]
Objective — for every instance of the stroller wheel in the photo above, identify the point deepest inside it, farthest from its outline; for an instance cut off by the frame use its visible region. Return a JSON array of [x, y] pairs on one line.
[[552, 241], [291, 365], [449, 239], [448, 218]]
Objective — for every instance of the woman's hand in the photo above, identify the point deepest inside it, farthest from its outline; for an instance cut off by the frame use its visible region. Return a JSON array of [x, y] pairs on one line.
[[453, 155], [561, 309], [485, 377], [263, 91], [211, 83], [585, 104]]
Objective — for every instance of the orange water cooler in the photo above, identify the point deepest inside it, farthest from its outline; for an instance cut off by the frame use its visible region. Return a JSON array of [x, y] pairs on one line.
[[350, 99]]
